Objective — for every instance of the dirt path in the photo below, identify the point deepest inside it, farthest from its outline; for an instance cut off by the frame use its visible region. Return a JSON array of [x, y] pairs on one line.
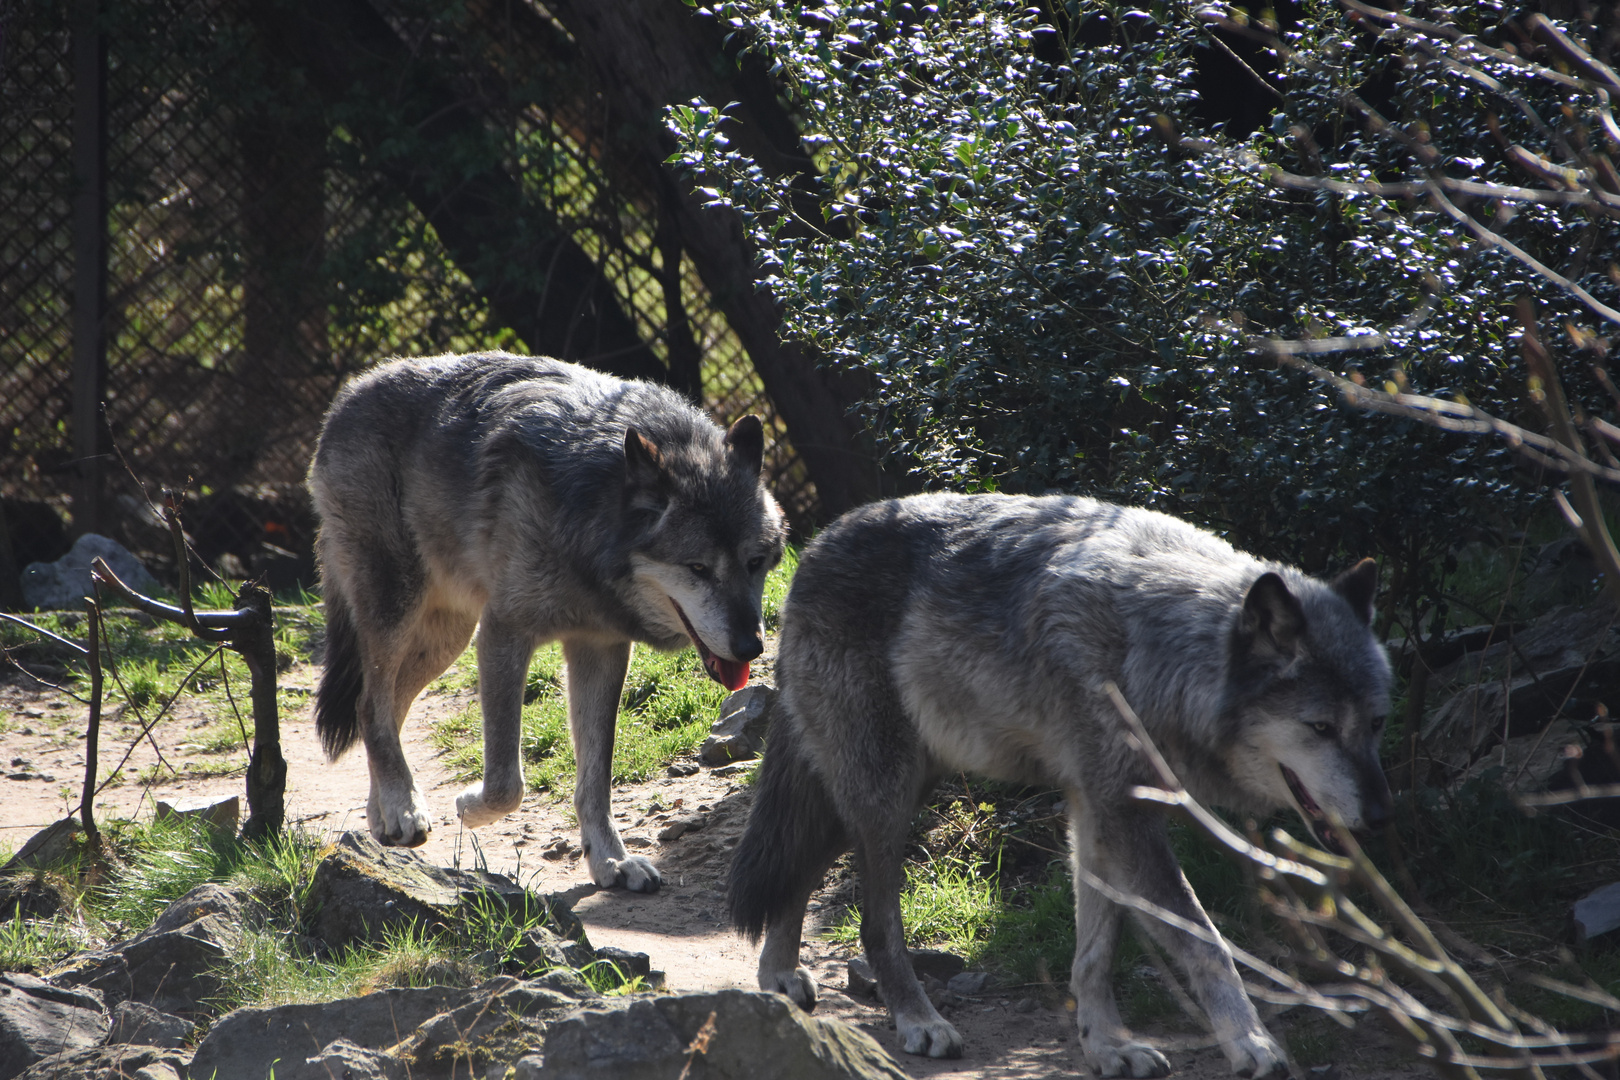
[[1011, 1033]]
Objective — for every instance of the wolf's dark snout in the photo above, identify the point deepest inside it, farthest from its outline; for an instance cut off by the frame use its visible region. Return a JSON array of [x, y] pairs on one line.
[[747, 645]]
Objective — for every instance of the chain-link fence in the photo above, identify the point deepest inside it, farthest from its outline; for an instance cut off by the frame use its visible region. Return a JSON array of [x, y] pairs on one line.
[[257, 254]]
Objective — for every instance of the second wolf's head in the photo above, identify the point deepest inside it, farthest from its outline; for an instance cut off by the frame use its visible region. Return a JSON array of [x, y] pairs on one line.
[[706, 532], [1307, 698]]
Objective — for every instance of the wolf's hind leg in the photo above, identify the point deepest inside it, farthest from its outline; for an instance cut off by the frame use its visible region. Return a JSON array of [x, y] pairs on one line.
[[794, 833], [595, 682], [503, 668]]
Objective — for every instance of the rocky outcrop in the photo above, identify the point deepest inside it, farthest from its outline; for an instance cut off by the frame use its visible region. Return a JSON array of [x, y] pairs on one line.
[[362, 890], [38, 1019], [175, 965], [724, 1036]]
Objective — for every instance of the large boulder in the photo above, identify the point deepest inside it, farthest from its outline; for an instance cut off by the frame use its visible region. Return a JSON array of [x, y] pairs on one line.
[[38, 1020], [62, 585], [115, 1062], [730, 1035], [361, 890], [175, 964], [422, 1032]]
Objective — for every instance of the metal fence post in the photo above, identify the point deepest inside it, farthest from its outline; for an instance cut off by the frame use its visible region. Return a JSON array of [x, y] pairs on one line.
[[89, 263]]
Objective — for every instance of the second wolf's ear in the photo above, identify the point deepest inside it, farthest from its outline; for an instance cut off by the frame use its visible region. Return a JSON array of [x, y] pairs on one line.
[[1272, 620], [746, 439], [1358, 586], [643, 464]]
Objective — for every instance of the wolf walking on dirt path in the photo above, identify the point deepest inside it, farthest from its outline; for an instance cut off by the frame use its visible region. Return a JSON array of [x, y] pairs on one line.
[[534, 500], [939, 633]]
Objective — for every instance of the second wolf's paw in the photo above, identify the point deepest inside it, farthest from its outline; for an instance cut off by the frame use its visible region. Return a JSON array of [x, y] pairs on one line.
[[404, 824], [797, 984], [634, 872], [1257, 1056], [1129, 1059], [932, 1036], [476, 810]]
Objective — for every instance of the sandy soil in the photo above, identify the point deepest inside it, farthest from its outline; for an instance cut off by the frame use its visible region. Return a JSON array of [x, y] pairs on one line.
[[1010, 1032]]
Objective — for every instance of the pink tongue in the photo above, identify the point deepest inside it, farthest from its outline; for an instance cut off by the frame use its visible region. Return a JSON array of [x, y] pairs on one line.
[[733, 673]]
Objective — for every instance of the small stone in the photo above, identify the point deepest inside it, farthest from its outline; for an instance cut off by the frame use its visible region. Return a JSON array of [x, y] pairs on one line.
[[680, 826], [970, 983], [861, 979], [630, 964], [736, 768], [1025, 1005], [1598, 912], [937, 963], [683, 768]]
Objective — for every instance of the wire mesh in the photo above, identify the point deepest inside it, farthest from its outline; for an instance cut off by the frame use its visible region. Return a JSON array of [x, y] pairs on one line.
[[244, 284]]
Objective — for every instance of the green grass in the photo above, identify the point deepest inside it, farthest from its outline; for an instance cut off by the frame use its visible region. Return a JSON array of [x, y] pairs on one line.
[[668, 706]]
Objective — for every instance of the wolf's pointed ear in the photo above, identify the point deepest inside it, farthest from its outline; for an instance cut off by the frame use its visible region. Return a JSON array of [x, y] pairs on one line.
[[643, 463], [746, 439], [1358, 585], [1272, 620]]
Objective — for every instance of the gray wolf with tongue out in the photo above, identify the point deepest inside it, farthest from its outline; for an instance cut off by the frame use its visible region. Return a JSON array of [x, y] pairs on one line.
[[535, 501], [979, 633]]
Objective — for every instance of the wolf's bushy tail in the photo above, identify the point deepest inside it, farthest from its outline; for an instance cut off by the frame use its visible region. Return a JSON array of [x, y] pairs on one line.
[[794, 833], [336, 719]]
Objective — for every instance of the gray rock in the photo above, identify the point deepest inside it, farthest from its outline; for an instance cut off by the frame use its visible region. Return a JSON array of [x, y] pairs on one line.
[[540, 950], [420, 1033], [119, 1062], [343, 1058], [174, 964], [739, 734], [970, 983], [655, 1038], [219, 812], [680, 826], [504, 1020], [1598, 912], [38, 1020], [861, 979], [63, 584], [51, 844], [248, 1043], [142, 1025], [362, 889], [32, 895], [941, 965], [631, 965]]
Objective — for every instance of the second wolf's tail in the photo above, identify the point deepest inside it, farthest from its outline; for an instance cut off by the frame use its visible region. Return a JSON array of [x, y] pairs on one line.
[[336, 719], [794, 833]]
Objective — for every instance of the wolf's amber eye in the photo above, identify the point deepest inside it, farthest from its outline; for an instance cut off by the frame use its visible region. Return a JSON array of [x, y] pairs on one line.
[[698, 568], [1377, 724], [755, 563], [1323, 728]]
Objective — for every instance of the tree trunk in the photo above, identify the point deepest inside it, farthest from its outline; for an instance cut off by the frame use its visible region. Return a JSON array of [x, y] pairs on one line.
[[653, 53]]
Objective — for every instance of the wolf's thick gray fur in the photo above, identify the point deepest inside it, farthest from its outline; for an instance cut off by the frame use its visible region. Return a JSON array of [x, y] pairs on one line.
[[941, 633], [537, 501]]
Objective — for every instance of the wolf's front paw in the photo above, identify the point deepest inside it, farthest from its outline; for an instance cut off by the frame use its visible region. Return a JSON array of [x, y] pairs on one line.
[[400, 820], [797, 984], [1257, 1056], [932, 1036], [1128, 1059], [634, 872], [476, 809]]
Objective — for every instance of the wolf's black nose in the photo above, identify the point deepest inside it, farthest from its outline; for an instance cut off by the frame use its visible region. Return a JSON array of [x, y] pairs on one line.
[[747, 646], [1375, 815]]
